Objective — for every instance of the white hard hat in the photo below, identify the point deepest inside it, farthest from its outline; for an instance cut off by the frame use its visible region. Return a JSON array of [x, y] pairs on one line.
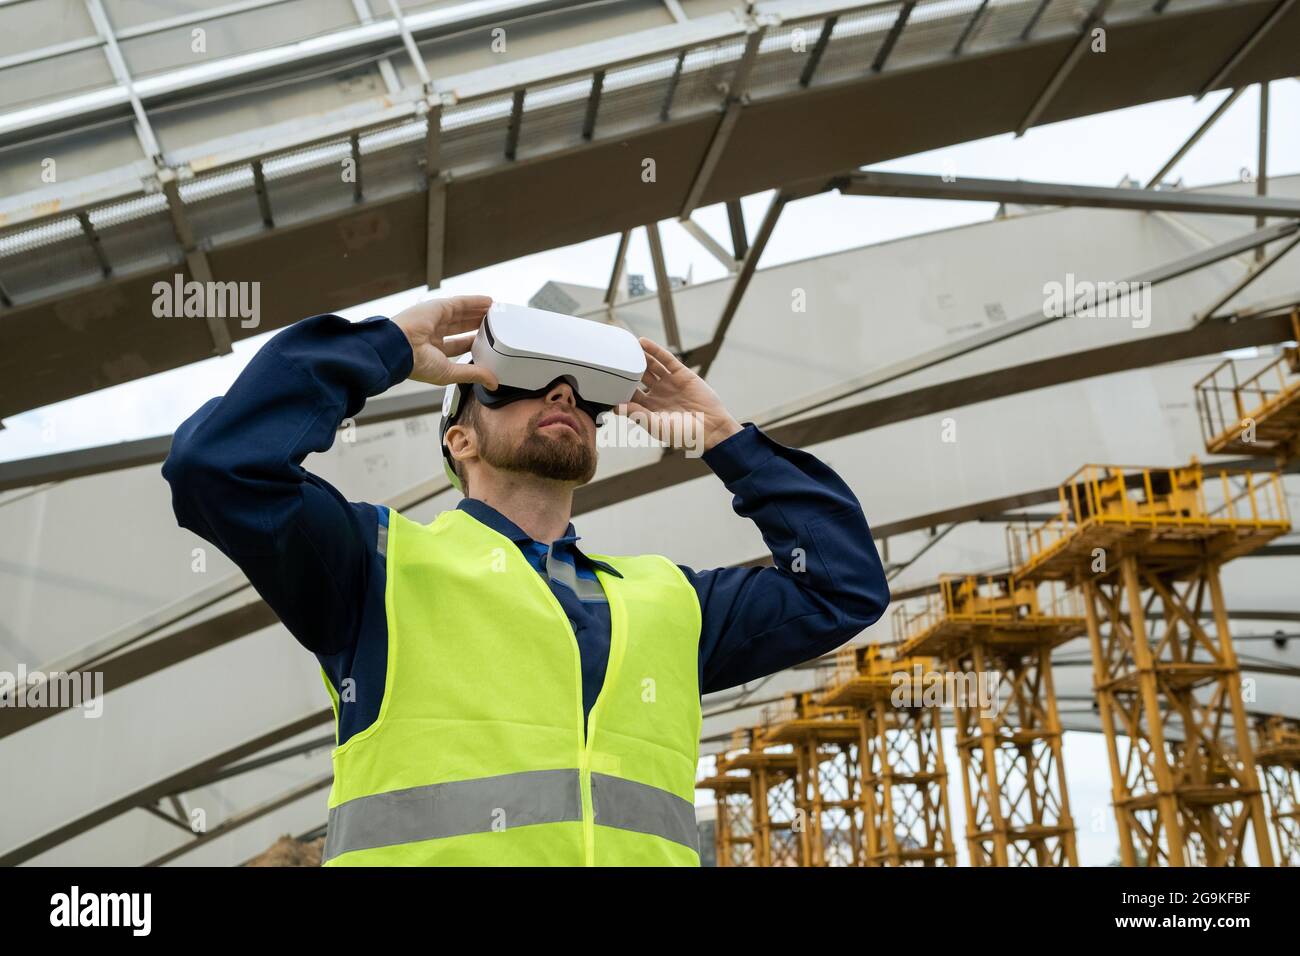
[[452, 399]]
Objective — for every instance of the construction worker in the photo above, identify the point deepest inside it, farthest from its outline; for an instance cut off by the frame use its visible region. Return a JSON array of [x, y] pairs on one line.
[[502, 697]]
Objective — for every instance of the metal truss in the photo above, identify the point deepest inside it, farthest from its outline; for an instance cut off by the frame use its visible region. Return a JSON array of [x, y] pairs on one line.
[[1185, 786], [1013, 775], [902, 786], [742, 57], [827, 798], [995, 636], [1277, 753]]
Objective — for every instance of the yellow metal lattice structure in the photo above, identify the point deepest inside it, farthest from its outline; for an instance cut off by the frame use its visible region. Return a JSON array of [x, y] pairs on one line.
[[828, 783], [1020, 612], [758, 823], [1257, 414], [1277, 752], [904, 781], [733, 834], [1145, 546], [1171, 515], [995, 634]]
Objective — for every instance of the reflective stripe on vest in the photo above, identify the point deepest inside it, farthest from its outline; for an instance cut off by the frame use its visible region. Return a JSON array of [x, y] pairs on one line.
[[490, 804], [479, 755]]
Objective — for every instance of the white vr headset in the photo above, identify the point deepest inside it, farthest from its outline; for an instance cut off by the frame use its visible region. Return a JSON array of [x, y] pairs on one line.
[[530, 349]]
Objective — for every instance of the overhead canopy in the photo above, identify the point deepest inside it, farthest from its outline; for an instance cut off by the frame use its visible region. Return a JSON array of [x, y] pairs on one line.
[[228, 165]]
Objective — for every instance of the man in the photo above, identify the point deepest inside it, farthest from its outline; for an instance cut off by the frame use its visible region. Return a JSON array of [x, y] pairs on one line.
[[500, 696]]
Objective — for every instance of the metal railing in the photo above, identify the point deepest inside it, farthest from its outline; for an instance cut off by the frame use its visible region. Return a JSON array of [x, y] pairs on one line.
[[1193, 497], [1248, 400], [989, 599]]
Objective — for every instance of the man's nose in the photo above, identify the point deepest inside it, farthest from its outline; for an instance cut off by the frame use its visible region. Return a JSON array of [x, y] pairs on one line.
[[561, 391]]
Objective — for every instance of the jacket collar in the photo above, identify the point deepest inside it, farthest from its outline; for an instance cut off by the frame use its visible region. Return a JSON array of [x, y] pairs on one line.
[[484, 513]]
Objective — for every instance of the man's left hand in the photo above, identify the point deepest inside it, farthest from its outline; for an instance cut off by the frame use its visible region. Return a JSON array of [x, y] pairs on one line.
[[675, 405]]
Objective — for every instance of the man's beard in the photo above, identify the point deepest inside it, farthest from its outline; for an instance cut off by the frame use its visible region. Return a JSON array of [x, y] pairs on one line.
[[553, 457]]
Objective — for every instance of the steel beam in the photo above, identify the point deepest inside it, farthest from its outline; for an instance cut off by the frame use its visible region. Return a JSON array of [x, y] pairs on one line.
[[1195, 137], [516, 121], [263, 197], [1261, 171], [670, 88], [891, 38], [245, 817], [1037, 15], [179, 782], [914, 186], [97, 247], [593, 105], [386, 71], [343, 46], [736, 222], [705, 355], [1253, 274], [1205, 339], [968, 31], [65, 466], [1279, 11], [736, 97], [436, 206], [818, 51], [196, 260], [130, 33], [1066, 67], [616, 273], [412, 50], [1006, 330], [117, 64], [173, 819], [711, 245], [663, 288], [354, 146]]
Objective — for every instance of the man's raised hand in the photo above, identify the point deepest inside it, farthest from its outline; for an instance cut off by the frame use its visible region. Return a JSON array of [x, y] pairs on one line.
[[438, 331], [675, 405]]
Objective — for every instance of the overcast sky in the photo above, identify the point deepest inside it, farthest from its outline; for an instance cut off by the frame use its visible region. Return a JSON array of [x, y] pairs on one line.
[[1097, 150]]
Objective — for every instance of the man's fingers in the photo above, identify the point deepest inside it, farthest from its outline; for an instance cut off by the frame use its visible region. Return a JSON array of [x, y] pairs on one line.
[[461, 313], [656, 368], [461, 373], [458, 344], [474, 305], [648, 401], [666, 358], [631, 407], [457, 323]]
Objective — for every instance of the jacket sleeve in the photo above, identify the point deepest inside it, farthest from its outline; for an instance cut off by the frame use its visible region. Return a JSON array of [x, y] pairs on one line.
[[826, 584], [236, 475]]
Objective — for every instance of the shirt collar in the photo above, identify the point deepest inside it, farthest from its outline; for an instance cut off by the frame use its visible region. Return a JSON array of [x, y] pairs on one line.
[[484, 513]]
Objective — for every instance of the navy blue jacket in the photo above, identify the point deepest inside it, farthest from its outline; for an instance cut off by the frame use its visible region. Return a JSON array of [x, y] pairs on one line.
[[237, 480]]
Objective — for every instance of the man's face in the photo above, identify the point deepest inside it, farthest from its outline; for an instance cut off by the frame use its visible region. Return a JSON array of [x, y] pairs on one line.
[[549, 437]]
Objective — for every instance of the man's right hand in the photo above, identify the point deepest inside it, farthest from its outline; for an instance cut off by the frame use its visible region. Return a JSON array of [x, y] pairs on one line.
[[439, 330]]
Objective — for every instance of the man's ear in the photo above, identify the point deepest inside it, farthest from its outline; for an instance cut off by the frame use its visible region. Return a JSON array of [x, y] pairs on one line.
[[462, 442]]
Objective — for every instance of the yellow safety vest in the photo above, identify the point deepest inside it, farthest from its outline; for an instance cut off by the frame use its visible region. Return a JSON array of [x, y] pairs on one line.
[[478, 756]]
